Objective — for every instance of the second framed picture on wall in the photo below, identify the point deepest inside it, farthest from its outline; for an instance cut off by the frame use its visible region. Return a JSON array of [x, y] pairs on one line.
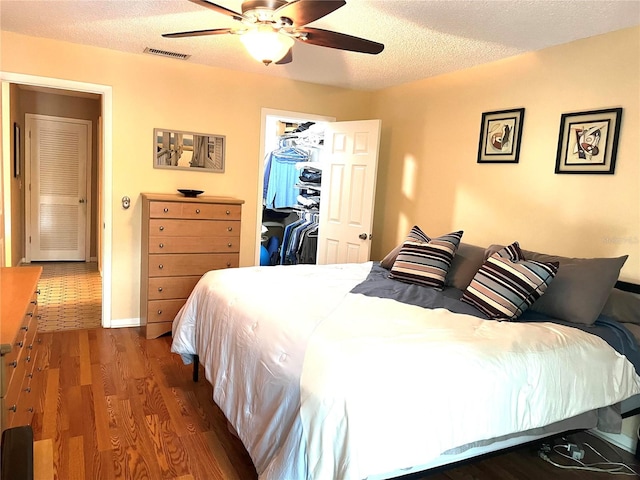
[[500, 135], [588, 141]]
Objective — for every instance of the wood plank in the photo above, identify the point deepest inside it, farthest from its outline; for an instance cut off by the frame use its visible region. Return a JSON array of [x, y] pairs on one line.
[[85, 358], [161, 425]]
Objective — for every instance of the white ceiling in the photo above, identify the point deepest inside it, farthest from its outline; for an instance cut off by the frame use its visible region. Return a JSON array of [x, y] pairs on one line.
[[422, 38]]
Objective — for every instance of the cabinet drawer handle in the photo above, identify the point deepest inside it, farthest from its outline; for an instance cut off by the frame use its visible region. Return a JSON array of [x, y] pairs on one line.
[[228, 212], [161, 228], [29, 375], [39, 340], [161, 245], [159, 289], [38, 291], [35, 302], [30, 347], [229, 229], [161, 266], [159, 312], [30, 409], [28, 389], [166, 210], [29, 314], [229, 245], [14, 364], [13, 408], [28, 359], [20, 344], [228, 264], [26, 327], [197, 210]]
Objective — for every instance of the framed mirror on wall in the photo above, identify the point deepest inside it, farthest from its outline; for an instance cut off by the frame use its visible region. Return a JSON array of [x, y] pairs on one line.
[[176, 149]]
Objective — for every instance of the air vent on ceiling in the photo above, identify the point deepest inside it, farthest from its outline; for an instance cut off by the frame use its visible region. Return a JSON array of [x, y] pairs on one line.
[[165, 53]]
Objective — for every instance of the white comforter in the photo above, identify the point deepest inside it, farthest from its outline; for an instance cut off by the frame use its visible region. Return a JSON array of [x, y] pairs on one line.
[[320, 383]]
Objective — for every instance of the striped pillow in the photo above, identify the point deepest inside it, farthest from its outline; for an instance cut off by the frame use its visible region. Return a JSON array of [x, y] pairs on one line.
[[507, 284], [423, 260]]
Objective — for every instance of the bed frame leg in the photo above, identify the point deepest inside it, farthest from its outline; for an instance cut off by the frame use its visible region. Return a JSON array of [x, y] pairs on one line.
[[196, 364]]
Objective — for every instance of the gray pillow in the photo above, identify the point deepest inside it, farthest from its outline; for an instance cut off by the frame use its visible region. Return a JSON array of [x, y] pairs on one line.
[[623, 307], [388, 261], [466, 263], [580, 289]]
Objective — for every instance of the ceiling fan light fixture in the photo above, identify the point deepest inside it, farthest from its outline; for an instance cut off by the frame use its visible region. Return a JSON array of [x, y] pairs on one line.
[[266, 45]]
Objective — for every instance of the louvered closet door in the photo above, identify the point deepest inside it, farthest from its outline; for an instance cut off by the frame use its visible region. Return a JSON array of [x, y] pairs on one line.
[[58, 189]]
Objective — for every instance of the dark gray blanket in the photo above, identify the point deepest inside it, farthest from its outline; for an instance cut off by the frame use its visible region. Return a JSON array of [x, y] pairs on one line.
[[378, 284]]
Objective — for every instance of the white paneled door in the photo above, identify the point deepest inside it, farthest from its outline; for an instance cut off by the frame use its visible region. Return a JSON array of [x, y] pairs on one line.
[[58, 150], [348, 191]]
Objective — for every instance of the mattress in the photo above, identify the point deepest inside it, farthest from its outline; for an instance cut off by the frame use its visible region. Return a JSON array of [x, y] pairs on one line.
[[315, 379]]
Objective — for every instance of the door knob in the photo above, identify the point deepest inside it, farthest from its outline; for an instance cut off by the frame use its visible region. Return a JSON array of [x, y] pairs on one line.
[[81, 200], [362, 236]]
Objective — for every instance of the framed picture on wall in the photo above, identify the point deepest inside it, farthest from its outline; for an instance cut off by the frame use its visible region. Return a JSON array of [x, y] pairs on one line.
[[16, 150], [588, 141], [500, 135]]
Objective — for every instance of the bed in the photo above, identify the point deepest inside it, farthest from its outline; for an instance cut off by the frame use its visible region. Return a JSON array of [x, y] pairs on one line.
[[348, 371]]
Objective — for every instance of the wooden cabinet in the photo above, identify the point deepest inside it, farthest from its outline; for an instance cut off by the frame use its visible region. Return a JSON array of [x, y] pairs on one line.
[[182, 238], [19, 345]]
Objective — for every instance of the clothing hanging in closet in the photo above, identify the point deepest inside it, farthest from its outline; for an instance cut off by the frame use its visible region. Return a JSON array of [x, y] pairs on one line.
[[300, 240], [281, 176]]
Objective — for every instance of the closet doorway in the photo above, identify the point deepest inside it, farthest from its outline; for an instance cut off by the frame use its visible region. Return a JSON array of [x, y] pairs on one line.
[[339, 223]]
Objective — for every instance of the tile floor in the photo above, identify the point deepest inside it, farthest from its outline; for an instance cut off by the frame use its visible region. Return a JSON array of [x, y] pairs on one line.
[[70, 296]]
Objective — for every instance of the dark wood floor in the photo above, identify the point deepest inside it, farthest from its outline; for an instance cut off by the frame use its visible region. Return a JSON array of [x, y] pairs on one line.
[[118, 406]]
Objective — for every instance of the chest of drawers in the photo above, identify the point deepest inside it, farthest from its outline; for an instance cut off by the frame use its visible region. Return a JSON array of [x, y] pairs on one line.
[[18, 344], [182, 238]]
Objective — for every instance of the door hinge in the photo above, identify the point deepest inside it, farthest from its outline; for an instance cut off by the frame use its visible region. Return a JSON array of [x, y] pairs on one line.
[[29, 238]]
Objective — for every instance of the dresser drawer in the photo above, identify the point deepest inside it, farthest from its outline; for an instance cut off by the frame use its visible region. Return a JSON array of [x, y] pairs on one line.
[[200, 211], [191, 228], [163, 310], [179, 264], [201, 244], [162, 288]]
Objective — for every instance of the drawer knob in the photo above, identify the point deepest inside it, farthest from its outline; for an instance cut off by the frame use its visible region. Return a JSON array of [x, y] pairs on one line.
[[38, 291], [229, 245], [13, 408], [29, 314], [228, 264], [228, 212], [28, 359], [161, 228], [166, 210], [35, 302], [29, 375], [26, 327], [30, 409], [197, 210], [161, 245], [39, 340], [14, 364], [229, 229], [159, 289], [159, 312], [20, 344], [28, 389], [161, 266], [30, 347]]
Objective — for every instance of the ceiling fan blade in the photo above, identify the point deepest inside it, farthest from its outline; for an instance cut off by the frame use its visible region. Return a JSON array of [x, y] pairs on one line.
[[301, 12], [198, 33], [341, 41], [218, 8], [288, 58]]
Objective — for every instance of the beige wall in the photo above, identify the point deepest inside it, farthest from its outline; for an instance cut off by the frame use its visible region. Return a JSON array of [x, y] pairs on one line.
[[428, 173], [153, 92], [16, 183]]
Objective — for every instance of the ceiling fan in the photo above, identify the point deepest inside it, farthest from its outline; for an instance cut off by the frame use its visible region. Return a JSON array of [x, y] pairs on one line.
[[269, 28]]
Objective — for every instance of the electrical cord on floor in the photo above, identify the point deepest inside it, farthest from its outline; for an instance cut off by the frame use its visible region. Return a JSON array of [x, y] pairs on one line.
[[575, 453]]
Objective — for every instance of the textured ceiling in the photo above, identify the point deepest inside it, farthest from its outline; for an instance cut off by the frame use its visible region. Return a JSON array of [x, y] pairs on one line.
[[422, 38]]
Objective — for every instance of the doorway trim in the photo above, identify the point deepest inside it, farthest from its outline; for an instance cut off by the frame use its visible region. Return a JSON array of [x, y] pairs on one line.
[[106, 211], [286, 115]]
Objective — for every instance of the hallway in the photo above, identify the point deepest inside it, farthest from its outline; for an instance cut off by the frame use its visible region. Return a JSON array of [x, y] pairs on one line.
[[70, 296]]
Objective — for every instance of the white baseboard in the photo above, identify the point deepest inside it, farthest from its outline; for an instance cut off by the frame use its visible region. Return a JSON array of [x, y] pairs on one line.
[[125, 322], [618, 439]]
